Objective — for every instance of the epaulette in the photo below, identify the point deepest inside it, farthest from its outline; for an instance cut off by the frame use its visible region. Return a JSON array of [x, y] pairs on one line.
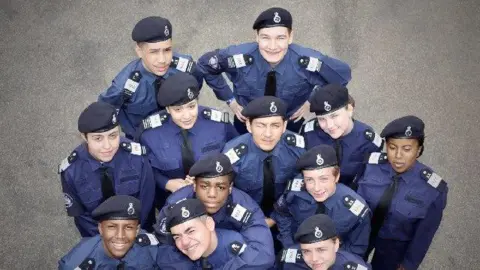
[[67, 162], [311, 125], [183, 64], [131, 84], [239, 60], [374, 138], [377, 158], [215, 115], [291, 255], [87, 264], [237, 152], [354, 266], [295, 140], [134, 148], [237, 248], [239, 213], [155, 120], [310, 63], [146, 239], [433, 179], [295, 184], [355, 206]]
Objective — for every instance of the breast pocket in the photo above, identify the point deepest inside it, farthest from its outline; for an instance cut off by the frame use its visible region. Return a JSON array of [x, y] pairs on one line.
[[129, 183], [169, 164], [89, 193], [248, 180], [405, 217], [250, 87], [296, 92]]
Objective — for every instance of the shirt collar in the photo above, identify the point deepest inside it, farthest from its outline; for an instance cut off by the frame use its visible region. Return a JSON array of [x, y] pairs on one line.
[[407, 176]]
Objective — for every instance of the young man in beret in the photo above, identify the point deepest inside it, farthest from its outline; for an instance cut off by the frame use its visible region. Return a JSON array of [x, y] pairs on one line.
[[271, 66]]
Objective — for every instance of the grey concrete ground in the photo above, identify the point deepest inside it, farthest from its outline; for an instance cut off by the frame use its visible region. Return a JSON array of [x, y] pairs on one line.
[[408, 57]]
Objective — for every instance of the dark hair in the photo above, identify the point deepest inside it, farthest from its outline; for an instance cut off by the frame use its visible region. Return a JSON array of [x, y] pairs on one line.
[[231, 177]]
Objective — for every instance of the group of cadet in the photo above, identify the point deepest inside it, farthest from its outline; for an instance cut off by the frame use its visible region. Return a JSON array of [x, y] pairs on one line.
[[187, 189]]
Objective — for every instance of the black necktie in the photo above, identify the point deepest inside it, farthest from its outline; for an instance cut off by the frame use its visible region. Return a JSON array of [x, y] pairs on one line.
[[158, 82], [205, 264], [271, 84], [121, 266], [320, 208], [268, 186], [107, 184], [338, 150], [381, 211], [187, 153]]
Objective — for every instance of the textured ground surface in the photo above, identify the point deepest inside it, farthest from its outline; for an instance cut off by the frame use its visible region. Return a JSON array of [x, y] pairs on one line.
[[408, 57]]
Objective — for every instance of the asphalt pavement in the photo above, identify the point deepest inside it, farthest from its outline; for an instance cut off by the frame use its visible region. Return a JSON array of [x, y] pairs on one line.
[[408, 57]]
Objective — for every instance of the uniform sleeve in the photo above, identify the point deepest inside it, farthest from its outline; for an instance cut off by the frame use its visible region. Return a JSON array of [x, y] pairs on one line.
[[147, 196], [331, 71], [359, 236], [73, 204], [213, 73], [424, 233], [160, 179], [230, 132], [259, 252], [283, 218], [113, 95], [162, 235], [86, 225]]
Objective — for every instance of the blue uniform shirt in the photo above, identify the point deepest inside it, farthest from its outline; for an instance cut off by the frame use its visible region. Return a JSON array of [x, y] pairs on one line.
[[247, 160], [294, 82], [347, 209], [144, 101], [414, 214], [356, 146], [208, 135], [241, 214], [81, 174], [90, 252], [292, 259]]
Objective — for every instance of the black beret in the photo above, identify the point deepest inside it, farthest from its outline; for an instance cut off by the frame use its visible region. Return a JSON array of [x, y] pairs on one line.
[[318, 157], [178, 89], [118, 207], [212, 165], [315, 229], [152, 29], [183, 211], [404, 127], [273, 17], [97, 117], [264, 107], [328, 99]]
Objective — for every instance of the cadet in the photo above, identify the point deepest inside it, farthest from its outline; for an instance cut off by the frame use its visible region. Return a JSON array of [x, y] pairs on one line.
[[133, 91], [98, 169], [335, 126], [318, 248], [271, 66], [195, 236], [319, 193], [119, 245], [179, 136], [229, 207], [408, 197]]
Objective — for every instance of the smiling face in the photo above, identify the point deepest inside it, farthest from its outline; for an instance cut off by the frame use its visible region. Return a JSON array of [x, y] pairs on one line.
[[118, 236], [273, 43], [194, 237], [320, 255], [338, 123], [402, 153], [184, 115], [213, 192], [104, 145], [321, 183], [156, 57], [267, 131]]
